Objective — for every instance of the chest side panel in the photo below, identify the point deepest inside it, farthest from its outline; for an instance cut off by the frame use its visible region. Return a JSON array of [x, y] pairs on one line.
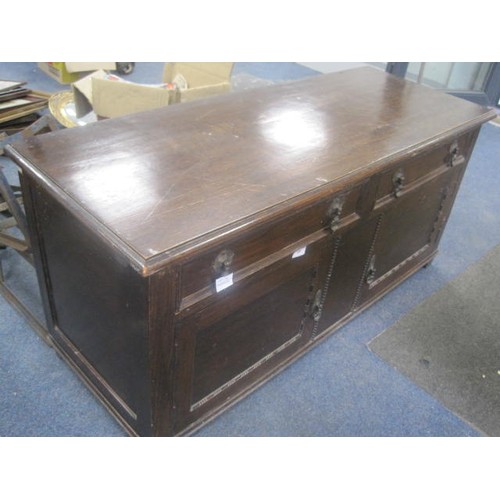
[[98, 308]]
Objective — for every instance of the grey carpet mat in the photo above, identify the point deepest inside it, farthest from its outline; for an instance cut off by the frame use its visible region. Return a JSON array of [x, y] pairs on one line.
[[450, 344]]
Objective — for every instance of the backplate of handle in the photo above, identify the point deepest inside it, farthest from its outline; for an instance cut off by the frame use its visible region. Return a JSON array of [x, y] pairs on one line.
[[398, 180], [316, 306], [223, 261]]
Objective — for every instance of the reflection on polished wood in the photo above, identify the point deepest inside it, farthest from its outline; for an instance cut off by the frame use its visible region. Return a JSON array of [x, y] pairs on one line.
[[234, 156]]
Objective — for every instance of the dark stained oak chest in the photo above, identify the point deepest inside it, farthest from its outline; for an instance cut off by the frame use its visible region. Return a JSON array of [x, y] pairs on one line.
[[187, 254]]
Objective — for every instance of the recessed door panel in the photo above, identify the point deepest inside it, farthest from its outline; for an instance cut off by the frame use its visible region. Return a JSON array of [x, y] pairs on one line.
[[250, 328]]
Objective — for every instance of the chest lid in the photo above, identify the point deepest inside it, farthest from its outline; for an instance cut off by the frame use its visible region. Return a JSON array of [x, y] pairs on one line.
[[157, 182]]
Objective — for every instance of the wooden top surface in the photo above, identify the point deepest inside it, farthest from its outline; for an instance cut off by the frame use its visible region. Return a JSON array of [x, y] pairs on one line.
[[159, 179]]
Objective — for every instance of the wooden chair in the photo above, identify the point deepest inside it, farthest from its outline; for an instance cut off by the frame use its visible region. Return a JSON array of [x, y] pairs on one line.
[[13, 225]]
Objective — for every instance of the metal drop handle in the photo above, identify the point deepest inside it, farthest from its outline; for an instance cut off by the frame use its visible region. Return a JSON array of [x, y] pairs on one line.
[[371, 272], [316, 306], [398, 180], [453, 154], [223, 261], [335, 212]]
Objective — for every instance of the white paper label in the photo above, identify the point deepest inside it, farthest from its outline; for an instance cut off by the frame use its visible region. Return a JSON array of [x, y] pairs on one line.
[[299, 253], [223, 282]]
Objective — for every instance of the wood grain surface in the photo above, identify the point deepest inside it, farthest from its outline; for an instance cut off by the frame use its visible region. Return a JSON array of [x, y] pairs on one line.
[[159, 179]]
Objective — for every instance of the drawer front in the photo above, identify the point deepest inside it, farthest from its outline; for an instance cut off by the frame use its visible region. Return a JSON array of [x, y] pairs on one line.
[[409, 174], [251, 248]]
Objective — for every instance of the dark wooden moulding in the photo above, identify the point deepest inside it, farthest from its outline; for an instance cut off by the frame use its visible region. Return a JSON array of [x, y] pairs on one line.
[[310, 199]]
